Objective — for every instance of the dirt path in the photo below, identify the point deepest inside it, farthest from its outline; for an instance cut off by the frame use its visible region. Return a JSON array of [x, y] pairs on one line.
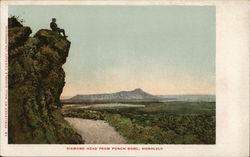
[[96, 131]]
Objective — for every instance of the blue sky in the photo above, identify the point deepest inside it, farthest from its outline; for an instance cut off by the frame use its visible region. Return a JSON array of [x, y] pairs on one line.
[[161, 49]]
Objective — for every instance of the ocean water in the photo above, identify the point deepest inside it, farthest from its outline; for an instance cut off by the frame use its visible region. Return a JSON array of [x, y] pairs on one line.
[[207, 98], [116, 105], [103, 105]]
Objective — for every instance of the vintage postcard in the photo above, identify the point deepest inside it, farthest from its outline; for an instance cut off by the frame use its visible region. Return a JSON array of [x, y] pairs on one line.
[[124, 78]]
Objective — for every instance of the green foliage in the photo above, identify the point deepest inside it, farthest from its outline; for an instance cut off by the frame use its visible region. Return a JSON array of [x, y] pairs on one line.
[[169, 131], [158, 123], [85, 114]]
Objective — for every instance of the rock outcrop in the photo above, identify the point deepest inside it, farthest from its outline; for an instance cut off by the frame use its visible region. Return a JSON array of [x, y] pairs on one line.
[[36, 80]]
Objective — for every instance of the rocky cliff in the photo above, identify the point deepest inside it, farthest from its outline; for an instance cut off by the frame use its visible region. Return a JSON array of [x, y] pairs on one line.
[[36, 80]]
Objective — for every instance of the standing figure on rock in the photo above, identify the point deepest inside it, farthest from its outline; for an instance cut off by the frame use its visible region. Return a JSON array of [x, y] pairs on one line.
[[54, 27]]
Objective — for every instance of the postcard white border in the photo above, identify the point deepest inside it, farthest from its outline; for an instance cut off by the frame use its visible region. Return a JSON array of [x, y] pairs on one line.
[[232, 86]]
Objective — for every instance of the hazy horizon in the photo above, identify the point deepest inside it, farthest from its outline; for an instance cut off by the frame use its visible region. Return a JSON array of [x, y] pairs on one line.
[[164, 50], [68, 96]]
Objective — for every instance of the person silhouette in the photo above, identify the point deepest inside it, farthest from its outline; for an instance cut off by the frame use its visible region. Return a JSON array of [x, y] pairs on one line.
[[54, 27]]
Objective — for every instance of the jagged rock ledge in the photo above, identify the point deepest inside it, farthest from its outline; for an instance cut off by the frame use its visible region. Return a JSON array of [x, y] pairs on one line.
[[36, 80]]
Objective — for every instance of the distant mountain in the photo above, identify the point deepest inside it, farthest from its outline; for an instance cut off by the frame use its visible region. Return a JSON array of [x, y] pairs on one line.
[[137, 94]]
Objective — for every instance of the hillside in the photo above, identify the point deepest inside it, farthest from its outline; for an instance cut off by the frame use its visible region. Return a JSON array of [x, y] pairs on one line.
[[36, 80], [134, 95]]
